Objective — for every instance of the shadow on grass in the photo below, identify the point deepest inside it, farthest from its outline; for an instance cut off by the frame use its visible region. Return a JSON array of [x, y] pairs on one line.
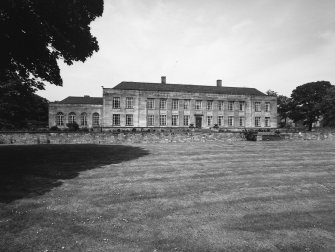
[[30, 170]]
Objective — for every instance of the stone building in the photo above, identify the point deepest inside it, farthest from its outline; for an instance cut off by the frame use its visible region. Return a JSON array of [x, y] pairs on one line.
[[139, 104]]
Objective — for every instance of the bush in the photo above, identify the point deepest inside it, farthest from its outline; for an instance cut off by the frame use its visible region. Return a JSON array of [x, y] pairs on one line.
[[250, 135], [191, 126], [215, 126], [54, 128], [72, 126]]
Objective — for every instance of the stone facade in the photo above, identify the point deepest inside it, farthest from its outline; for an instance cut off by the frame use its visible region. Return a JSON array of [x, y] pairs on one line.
[[136, 104]]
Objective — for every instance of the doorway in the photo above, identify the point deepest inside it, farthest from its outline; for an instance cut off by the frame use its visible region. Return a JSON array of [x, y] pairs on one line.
[[198, 122]]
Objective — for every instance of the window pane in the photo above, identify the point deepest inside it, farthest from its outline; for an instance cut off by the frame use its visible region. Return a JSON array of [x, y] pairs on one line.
[[129, 102], [151, 103], [116, 119], [174, 120], [151, 120], [175, 104], [186, 104], [186, 120], [95, 119], [129, 120], [116, 102]]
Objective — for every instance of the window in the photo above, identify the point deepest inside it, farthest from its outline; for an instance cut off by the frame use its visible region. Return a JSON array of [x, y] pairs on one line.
[[95, 119], [83, 119], [72, 117], [209, 105], [162, 104], [186, 104], [151, 120], [150, 103], [60, 119], [267, 121], [129, 120], [198, 105], [175, 104], [175, 120], [116, 119], [220, 120], [230, 121], [129, 102], [267, 107], [230, 106], [257, 107], [116, 102], [241, 122], [209, 120], [241, 105], [220, 105], [186, 120], [257, 122], [162, 120]]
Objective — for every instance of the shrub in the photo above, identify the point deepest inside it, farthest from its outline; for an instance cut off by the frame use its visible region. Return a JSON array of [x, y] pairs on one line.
[[54, 128], [215, 126], [72, 126], [250, 135], [191, 126]]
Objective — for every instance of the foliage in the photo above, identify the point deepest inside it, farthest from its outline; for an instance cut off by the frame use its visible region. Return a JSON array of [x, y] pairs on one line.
[[328, 108], [54, 128], [72, 126], [249, 134], [216, 126], [271, 93], [191, 126], [306, 102], [283, 105], [35, 34]]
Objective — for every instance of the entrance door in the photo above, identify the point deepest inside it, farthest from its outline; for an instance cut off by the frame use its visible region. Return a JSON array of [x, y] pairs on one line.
[[198, 122]]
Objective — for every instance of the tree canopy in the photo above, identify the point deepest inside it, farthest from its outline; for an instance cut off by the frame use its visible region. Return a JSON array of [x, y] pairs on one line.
[[34, 34]]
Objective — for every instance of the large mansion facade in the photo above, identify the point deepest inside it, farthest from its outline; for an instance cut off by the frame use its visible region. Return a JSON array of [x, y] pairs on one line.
[[139, 104]]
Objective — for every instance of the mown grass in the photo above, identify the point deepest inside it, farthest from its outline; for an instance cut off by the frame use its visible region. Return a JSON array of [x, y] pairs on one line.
[[243, 196]]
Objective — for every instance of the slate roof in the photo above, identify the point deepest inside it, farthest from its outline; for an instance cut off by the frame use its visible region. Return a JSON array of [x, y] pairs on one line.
[[82, 100], [144, 86]]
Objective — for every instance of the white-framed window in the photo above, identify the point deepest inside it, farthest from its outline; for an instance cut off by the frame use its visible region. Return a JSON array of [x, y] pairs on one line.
[[129, 102], [72, 117], [175, 120], [257, 121], [209, 120], [230, 121], [162, 120], [186, 104], [220, 105], [230, 105], [267, 122], [241, 121], [116, 102], [241, 105], [129, 120], [151, 103], [220, 120], [186, 120], [83, 119], [209, 105], [60, 119], [267, 107], [175, 104], [257, 107], [151, 120], [162, 104], [116, 119], [198, 104], [95, 119]]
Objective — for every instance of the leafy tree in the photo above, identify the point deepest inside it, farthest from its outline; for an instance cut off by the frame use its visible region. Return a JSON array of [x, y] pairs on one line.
[[271, 93], [283, 105], [306, 102], [34, 34], [328, 108]]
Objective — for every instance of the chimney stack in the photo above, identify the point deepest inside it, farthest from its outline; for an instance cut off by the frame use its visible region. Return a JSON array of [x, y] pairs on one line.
[[163, 79], [219, 83]]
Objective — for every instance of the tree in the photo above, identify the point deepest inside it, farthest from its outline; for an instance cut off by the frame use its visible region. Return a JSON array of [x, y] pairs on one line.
[[306, 102], [328, 108], [34, 34], [283, 105]]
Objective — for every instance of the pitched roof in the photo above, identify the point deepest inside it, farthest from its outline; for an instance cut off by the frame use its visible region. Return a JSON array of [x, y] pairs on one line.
[[82, 100], [144, 86]]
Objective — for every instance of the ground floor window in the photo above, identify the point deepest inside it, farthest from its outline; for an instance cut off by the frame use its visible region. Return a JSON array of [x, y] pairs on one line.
[[60, 119], [267, 121], [116, 119], [257, 121], [186, 120], [174, 120], [129, 120], [83, 119], [230, 121], [95, 119], [72, 117], [209, 120], [162, 120], [220, 120], [151, 120], [241, 123]]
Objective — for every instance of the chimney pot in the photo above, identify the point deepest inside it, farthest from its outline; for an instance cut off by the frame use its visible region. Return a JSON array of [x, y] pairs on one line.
[[163, 78], [219, 83]]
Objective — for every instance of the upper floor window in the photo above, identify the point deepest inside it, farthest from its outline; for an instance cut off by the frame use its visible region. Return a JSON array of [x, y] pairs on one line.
[[186, 104], [198, 104], [116, 102], [95, 119], [116, 119], [267, 107], [151, 103], [72, 117], [220, 105], [209, 105], [175, 104], [60, 119], [231, 106], [257, 107], [257, 121], [241, 105], [83, 119], [129, 102], [162, 104]]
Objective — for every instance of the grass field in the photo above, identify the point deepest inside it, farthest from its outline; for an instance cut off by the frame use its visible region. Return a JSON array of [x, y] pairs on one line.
[[242, 196]]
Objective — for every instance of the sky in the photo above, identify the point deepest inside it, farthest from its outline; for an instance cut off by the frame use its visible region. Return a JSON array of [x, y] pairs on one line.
[[263, 44]]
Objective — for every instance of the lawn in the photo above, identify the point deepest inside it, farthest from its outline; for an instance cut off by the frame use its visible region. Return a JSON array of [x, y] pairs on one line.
[[240, 196]]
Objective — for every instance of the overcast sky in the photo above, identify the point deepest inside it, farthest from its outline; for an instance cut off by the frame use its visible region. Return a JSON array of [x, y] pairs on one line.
[[265, 44]]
